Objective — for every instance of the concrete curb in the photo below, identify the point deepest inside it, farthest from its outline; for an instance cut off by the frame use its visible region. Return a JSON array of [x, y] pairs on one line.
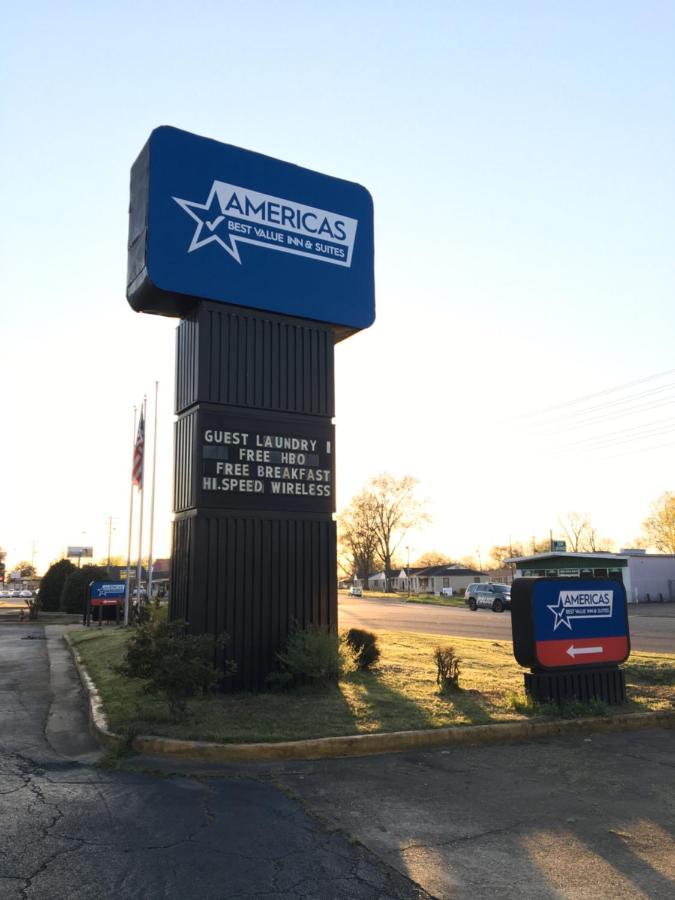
[[361, 744], [98, 724]]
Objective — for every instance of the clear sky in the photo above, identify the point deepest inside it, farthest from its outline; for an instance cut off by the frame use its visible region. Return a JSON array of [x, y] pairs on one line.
[[520, 156]]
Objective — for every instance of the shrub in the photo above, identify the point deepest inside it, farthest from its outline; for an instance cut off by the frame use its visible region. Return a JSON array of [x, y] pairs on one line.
[[52, 584], [313, 655], [175, 663], [76, 585], [363, 645], [447, 668]]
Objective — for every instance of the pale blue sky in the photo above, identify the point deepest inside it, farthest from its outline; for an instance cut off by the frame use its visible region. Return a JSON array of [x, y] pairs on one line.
[[520, 156]]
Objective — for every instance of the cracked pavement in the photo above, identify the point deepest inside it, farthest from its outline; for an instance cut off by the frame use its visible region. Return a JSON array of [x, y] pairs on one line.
[[580, 817], [72, 830]]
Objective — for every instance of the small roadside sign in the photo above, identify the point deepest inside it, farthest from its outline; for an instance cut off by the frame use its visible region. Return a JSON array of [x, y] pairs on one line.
[[564, 623]]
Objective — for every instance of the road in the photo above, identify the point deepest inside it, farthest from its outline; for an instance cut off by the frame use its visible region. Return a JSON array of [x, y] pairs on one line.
[[652, 629]]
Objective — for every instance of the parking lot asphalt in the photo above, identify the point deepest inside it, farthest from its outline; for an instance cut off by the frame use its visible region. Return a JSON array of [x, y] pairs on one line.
[[582, 817], [69, 829], [585, 817]]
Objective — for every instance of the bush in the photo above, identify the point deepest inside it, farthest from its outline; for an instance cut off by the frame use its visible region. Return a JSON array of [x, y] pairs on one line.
[[175, 663], [76, 585], [447, 668], [313, 655], [52, 584], [363, 645]]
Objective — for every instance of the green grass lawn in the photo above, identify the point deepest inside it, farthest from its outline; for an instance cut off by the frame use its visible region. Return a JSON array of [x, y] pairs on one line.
[[400, 694]]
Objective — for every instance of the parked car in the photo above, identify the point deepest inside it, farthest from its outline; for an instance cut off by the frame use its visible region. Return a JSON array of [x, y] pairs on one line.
[[496, 597], [355, 591]]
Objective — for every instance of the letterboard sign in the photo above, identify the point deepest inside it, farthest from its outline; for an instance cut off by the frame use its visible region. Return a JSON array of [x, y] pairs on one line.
[[255, 463], [569, 622], [211, 221]]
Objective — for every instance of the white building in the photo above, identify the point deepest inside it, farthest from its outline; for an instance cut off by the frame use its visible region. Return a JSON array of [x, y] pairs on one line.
[[647, 577]]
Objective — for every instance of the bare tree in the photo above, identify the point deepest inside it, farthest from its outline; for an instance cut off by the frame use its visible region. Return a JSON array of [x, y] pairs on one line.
[[659, 527], [575, 527], [377, 520], [582, 536], [357, 526]]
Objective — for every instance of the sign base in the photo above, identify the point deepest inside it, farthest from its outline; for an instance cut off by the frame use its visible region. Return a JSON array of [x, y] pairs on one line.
[[606, 684]]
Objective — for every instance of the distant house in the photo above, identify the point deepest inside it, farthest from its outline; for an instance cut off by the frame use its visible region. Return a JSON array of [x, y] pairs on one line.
[[428, 579], [432, 579]]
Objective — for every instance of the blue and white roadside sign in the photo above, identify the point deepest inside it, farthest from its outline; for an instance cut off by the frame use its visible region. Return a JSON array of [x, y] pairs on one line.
[[211, 221], [561, 623], [107, 590]]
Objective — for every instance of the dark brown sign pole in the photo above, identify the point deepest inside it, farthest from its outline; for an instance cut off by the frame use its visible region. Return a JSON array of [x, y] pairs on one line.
[[254, 541]]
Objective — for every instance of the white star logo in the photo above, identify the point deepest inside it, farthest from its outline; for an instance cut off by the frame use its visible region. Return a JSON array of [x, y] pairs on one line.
[[208, 217]]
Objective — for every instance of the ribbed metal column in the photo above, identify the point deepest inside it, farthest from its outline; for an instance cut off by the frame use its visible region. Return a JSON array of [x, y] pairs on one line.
[[251, 562]]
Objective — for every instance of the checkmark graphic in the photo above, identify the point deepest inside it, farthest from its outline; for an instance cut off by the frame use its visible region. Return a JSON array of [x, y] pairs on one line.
[[215, 223]]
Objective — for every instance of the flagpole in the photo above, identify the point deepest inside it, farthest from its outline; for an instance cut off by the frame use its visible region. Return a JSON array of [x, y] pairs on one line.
[[152, 495], [131, 522], [141, 486]]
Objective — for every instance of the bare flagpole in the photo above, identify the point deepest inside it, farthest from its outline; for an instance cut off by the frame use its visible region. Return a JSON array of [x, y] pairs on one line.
[[152, 494], [141, 485], [131, 522]]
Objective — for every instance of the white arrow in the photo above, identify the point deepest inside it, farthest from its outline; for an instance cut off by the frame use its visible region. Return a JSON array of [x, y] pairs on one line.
[[578, 651]]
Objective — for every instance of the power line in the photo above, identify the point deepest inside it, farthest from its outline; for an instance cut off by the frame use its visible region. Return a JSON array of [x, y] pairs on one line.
[[616, 415], [592, 396], [604, 406], [622, 431], [605, 444]]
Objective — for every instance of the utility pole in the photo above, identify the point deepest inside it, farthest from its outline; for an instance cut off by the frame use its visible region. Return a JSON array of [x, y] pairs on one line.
[[110, 527]]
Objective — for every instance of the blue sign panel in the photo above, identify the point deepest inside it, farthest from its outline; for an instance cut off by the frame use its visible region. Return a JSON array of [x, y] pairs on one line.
[[211, 221], [107, 590], [563, 622]]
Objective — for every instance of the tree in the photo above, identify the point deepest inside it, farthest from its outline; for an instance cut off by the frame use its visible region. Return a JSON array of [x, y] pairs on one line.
[[52, 584], [114, 561], [581, 536], [659, 527], [432, 558], [501, 552], [386, 509], [357, 535], [25, 569], [76, 585], [3, 554]]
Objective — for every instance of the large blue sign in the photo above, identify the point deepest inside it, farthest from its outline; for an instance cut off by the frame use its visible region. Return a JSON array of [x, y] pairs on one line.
[[566, 622], [212, 221]]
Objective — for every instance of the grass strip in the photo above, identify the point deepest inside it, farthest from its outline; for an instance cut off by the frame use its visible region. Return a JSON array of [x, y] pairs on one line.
[[400, 694]]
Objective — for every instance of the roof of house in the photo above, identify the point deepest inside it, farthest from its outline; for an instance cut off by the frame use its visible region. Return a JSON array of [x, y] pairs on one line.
[[448, 570]]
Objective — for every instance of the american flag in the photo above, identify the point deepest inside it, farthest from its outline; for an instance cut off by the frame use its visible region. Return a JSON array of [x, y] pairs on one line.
[[139, 449]]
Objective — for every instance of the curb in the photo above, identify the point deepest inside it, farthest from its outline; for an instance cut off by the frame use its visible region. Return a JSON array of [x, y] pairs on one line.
[[359, 744]]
